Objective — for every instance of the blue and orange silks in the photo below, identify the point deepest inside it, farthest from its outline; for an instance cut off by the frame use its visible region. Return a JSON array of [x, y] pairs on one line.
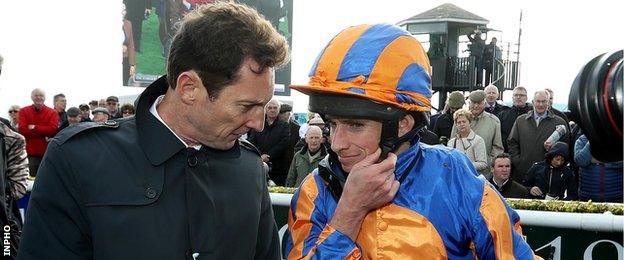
[[441, 211]]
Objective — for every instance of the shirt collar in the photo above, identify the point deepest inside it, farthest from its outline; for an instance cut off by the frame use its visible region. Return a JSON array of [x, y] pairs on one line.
[[499, 185], [155, 113], [540, 117]]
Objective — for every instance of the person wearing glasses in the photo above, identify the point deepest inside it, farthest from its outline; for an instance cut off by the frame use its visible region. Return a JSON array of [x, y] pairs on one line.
[[14, 116], [529, 134], [127, 110], [508, 117]]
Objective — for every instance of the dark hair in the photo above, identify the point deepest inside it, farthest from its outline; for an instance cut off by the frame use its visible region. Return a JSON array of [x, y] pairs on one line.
[[214, 40], [503, 156], [57, 96], [127, 107]]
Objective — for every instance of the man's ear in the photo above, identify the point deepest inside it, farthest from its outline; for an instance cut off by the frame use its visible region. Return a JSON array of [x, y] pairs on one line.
[[406, 124], [188, 86]]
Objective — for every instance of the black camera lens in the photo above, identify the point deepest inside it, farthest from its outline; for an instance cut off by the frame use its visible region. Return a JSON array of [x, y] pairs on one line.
[[596, 102]]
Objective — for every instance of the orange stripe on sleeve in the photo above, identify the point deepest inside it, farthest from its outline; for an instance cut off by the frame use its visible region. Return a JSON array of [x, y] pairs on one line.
[[518, 228], [300, 228], [338, 48], [495, 214]]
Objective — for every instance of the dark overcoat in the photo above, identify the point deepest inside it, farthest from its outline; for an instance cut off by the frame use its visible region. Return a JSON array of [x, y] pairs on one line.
[[129, 189]]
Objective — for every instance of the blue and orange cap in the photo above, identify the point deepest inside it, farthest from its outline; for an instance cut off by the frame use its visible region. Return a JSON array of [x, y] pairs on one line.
[[381, 63]]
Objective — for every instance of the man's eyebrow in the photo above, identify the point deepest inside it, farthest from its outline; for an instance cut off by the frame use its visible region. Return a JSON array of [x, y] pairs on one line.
[[251, 102], [346, 120]]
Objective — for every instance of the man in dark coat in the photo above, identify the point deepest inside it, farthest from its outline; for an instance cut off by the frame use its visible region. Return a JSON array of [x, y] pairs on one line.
[[285, 115], [444, 124], [182, 185], [508, 117], [501, 179], [272, 141], [528, 136], [476, 47], [60, 102]]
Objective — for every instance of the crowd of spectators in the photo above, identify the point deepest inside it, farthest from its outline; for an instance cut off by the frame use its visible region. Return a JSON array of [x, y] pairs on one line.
[[37, 123], [487, 129], [533, 150], [511, 147]]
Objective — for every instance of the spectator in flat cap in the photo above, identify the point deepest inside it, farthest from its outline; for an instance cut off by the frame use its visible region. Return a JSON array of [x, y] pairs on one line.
[[485, 125], [285, 112], [317, 121], [112, 103], [100, 114], [73, 117], [444, 123], [85, 112], [284, 115]]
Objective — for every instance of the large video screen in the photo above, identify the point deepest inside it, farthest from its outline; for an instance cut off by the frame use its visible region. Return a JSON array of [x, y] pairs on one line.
[[148, 28]]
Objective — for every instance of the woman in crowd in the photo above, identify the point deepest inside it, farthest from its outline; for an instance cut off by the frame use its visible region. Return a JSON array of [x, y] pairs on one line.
[[14, 115], [468, 142], [127, 110]]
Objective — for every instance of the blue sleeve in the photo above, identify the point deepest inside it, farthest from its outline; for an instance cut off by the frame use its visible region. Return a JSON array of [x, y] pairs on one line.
[[311, 236], [582, 152]]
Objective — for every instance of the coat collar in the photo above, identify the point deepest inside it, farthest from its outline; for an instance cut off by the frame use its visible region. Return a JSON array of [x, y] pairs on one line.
[[157, 142]]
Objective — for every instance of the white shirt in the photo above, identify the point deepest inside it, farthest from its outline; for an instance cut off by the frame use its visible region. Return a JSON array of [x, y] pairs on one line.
[[155, 113]]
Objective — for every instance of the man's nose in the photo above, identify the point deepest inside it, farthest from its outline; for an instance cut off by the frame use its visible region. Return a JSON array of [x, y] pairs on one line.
[[256, 122], [338, 139]]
